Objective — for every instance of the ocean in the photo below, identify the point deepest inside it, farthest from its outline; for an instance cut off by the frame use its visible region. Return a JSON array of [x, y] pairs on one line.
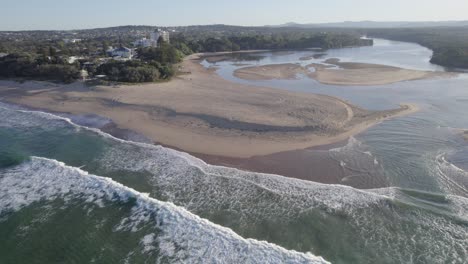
[[70, 193]]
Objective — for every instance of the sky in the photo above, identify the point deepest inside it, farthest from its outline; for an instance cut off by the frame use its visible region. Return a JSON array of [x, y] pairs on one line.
[[74, 14]]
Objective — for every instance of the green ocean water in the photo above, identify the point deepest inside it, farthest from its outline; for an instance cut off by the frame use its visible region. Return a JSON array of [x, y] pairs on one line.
[[71, 194], [341, 224]]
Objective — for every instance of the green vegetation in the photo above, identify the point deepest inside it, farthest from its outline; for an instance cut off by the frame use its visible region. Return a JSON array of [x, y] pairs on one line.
[[45, 55], [450, 44], [134, 71], [165, 54], [153, 64], [283, 41], [38, 67]]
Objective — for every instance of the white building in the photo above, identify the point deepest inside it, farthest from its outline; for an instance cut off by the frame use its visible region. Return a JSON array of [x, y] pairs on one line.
[[122, 52], [153, 40], [71, 40], [165, 35]]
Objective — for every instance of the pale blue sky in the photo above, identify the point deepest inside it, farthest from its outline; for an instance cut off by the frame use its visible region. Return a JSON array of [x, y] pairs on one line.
[[74, 14]]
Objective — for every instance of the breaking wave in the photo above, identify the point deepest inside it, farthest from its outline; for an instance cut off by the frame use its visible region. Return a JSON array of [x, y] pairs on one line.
[[183, 237], [343, 224]]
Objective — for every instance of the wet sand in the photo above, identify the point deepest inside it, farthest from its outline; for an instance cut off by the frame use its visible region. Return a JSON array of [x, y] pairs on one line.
[[345, 73], [200, 112], [362, 74], [312, 164], [287, 71]]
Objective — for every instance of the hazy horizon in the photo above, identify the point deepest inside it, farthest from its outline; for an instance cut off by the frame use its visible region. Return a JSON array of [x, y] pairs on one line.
[[273, 25], [67, 15]]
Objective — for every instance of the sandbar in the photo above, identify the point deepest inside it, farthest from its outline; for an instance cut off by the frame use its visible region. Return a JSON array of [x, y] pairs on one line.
[[200, 112], [334, 72]]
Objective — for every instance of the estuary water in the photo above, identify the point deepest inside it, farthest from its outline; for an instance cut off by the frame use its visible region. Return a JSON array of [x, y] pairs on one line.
[[70, 193], [409, 151]]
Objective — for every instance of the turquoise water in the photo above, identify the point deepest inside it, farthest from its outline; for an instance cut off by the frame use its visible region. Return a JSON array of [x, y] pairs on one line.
[[71, 194]]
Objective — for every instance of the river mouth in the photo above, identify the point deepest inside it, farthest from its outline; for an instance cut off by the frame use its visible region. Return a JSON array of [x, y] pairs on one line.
[[50, 172], [151, 203], [405, 152]]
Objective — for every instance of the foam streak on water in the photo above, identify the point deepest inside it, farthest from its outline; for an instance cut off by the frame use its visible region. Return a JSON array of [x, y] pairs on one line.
[[44, 179], [343, 224]]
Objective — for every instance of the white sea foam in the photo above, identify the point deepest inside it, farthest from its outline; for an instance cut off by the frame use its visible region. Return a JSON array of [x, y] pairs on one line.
[[199, 187], [352, 142], [452, 179], [148, 244], [44, 179], [175, 172]]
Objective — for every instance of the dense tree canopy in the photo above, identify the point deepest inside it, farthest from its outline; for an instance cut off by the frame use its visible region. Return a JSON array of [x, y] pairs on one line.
[[36, 67], [129, 71], [277, 41], [450, 45], [45, 54]]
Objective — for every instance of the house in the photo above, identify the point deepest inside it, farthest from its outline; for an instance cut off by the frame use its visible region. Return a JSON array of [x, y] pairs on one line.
[[72, 59], [67, 41], [122, 52]]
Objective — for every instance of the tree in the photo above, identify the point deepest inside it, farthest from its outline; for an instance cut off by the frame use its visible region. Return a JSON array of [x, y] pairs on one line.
[[52, 51], [160, 41]]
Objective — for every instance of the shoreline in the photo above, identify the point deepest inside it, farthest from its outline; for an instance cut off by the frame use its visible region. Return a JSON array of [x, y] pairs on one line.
[[310, 164], [202, 113], [334, 72]]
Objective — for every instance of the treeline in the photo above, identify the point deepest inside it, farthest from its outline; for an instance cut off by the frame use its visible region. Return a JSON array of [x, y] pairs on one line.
[[44, 55], [135, 71], [157, 63], [277, 41], [450, 44], [153, 64], [451, 57], [38, 67]]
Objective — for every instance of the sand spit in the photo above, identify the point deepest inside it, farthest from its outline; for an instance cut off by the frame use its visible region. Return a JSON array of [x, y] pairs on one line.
[[346, 73], [351, 73], [200, 112]]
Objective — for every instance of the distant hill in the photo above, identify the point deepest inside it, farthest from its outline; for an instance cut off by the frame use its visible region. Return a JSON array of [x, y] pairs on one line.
[[375, 24]]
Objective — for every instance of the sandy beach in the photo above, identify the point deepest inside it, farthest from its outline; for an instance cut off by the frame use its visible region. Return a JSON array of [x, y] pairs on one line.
[[199, 112], [335, 72]]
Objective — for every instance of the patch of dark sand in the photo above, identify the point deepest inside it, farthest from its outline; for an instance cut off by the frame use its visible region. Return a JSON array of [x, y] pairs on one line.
[[311, 164]]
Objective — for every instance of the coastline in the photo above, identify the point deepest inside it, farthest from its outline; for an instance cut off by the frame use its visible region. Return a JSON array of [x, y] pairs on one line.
[[311, 164], [202, 113]]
